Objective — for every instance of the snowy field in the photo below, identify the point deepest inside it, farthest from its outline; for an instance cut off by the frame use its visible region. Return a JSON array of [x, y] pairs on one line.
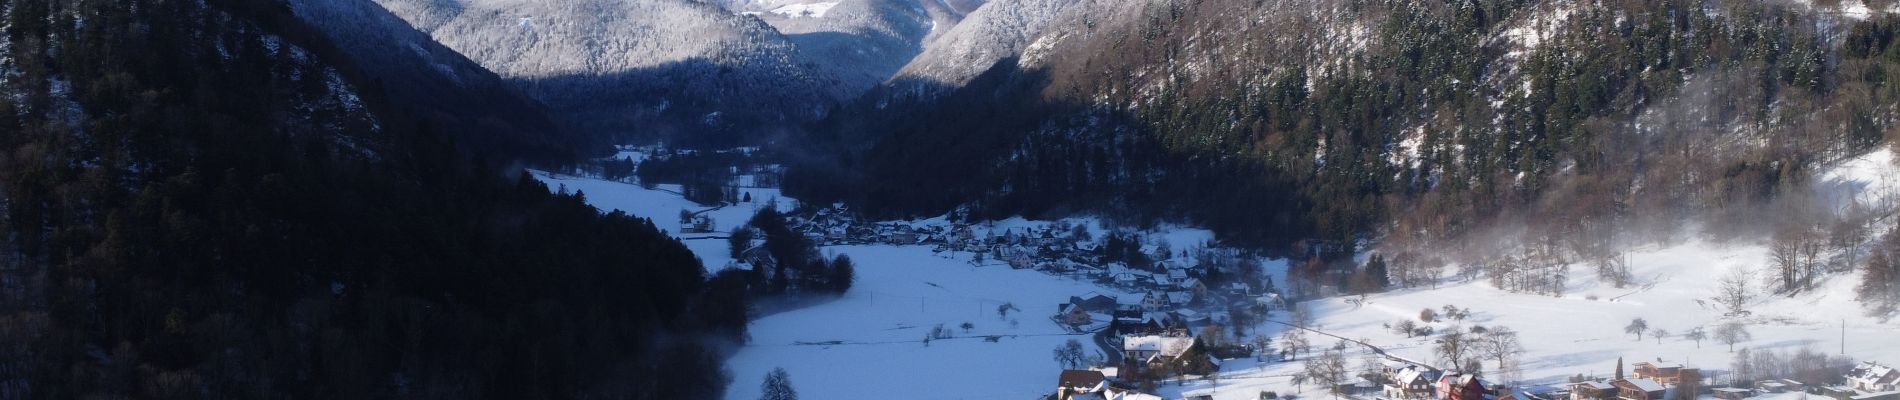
[[663, 204], [868, 344], [1572, 335]]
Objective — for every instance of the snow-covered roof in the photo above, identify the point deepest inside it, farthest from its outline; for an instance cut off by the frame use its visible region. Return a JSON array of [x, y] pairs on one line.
[[1597, 385], [1163, 345], [1646, 385], [1881, 395]]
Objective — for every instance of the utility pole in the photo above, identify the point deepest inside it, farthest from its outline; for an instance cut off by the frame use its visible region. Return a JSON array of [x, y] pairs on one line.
[[1843, 336]]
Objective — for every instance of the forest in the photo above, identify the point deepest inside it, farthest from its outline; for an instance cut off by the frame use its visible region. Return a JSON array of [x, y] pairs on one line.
[[1485, 132], [207, 200]]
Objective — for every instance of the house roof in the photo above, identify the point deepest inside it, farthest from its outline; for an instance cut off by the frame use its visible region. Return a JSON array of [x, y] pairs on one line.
[[1081, 380], [1597, 385], [1162, 345], [1644, 384]]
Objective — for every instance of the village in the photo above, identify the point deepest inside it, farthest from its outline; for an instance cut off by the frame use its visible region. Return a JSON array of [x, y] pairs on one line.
[[1194, 301]]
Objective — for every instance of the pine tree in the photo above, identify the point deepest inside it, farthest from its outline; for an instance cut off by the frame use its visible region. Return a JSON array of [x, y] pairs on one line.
[[777, 386], [1619, 368]]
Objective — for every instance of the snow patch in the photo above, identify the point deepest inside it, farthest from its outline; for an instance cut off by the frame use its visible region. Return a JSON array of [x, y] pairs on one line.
[[813, 10]]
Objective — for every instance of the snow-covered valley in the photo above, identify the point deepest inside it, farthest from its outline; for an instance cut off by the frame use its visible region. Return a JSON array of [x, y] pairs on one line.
[[876, 332]]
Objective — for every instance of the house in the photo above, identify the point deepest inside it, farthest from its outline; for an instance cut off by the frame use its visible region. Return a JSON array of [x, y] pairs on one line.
[[1639, 389], [1094, 302], [1873, 377], [696, 224], [1517, 394], [1664, 374], [1837, 392], [1151, 323], [1887, 395], [1073, 382], [1779, 386], [1155, 301], [1456, 386], [1179, 298], [1195, 287], [1078, 310], [1593, 390], [1272, 301], [1410, 382], [1074, 314], [1731, 393], [1154, 348]]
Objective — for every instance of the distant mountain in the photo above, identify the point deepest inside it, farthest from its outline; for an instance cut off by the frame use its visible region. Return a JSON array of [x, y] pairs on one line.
[[676, 69], [997, 30], [858, 43]]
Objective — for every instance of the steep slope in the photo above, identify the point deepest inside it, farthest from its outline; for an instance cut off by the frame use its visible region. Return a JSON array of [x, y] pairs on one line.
[[675, 69], [428, 79], [202, 200], [858, 43], [1427, 122], [999, 29]]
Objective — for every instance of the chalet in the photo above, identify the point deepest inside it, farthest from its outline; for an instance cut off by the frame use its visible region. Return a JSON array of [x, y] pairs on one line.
[[1195, 287], [1074, 314], [1873, 377], [1155, 348], [1456, 386], [1180, 298], [1664, 374], [1079, 309], [1410, 382], [1272, 301], [696, 223], [1155, 301], [1593, 390], [1074, 382], [1731, 393], [1639, 389]]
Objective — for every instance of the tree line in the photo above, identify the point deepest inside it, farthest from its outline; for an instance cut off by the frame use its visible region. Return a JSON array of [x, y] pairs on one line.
[[203, 200]]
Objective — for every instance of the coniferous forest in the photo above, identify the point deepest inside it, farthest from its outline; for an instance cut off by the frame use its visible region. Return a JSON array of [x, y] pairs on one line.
[[207, 200]]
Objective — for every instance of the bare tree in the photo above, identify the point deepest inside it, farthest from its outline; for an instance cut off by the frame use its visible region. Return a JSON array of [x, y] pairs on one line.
[[1733, 291], [1405, 327], [1328, 369], [1636, 327], [1070, 354], [1659, 334], [1697, 334], [1501, 344], [1294, 341], [1730, 333], [1454, 349]]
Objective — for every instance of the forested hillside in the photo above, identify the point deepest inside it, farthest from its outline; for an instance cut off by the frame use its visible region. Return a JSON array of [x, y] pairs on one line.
[[205, 200], [1435, 126], [427, 79]]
